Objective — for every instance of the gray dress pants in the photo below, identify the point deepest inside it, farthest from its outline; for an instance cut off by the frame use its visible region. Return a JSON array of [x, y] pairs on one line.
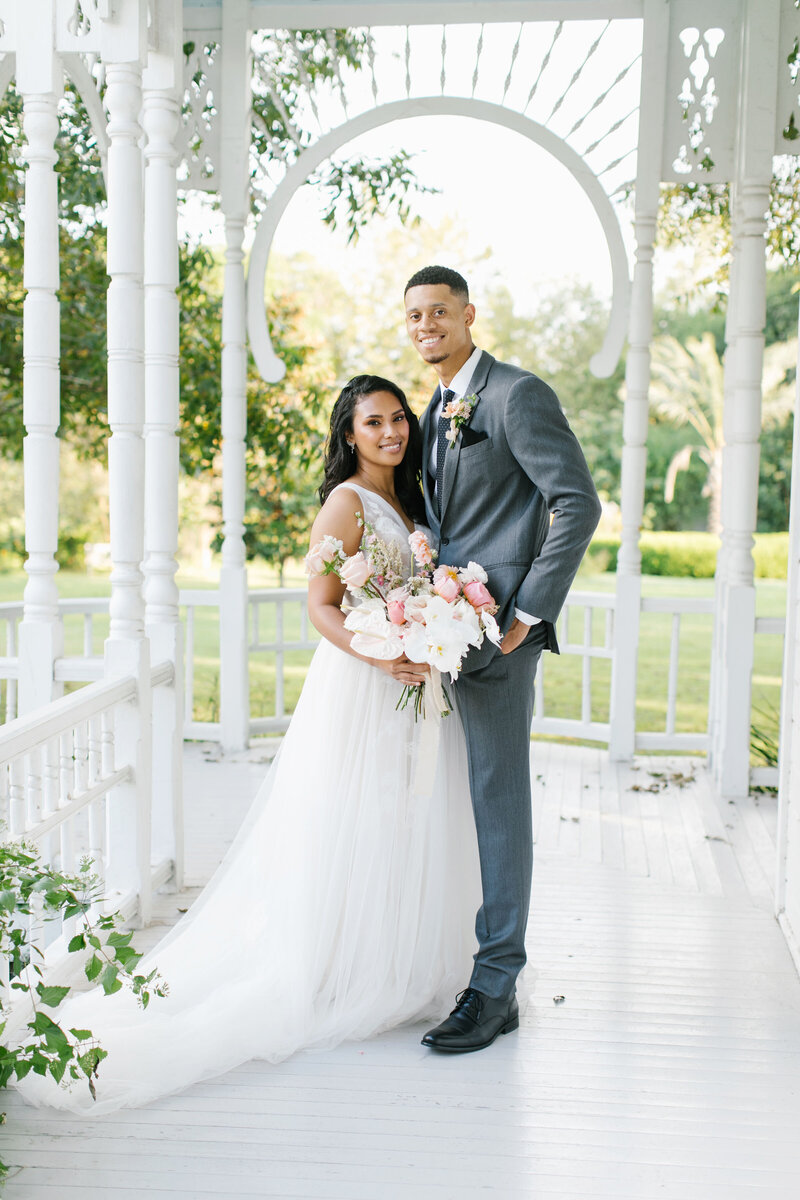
[[495, 704]]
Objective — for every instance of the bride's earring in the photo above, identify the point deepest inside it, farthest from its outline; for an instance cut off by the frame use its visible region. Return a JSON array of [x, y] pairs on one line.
[[352, 446]]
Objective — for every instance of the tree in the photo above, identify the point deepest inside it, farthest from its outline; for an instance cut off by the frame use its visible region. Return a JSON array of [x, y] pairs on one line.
[[688, 389], [289, 68], [690, 212], [557, 342]]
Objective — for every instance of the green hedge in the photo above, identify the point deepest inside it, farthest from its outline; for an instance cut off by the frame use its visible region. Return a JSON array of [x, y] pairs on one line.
[[690, 554]]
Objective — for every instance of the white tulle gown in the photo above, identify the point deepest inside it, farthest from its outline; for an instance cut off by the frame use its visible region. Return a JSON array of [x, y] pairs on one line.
[[344, 907]]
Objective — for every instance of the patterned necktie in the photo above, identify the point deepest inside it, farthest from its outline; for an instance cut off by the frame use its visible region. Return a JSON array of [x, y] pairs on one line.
[[442, 445]]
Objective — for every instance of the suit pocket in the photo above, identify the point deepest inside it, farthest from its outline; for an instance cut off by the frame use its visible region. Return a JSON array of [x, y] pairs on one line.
[[481, 445]]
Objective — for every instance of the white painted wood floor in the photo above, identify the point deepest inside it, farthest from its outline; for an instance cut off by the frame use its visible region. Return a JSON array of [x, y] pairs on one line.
[[670, 1070]]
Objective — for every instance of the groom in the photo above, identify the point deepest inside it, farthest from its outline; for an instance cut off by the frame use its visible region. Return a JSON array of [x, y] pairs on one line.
[[514, 494]]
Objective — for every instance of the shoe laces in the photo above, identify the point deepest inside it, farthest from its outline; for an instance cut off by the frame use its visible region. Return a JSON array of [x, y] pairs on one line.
[[469, 1003]]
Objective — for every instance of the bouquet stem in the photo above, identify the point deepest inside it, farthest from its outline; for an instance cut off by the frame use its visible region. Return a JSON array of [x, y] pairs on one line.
[[414, 693]]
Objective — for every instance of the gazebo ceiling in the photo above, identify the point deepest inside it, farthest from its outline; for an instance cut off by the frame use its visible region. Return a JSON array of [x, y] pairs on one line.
[[312, 14]]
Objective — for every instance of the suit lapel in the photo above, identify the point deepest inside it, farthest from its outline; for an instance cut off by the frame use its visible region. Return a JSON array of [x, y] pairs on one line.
[[476, 386]]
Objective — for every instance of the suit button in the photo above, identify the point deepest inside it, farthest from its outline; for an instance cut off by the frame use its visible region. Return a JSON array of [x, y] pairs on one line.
[[444, 541]]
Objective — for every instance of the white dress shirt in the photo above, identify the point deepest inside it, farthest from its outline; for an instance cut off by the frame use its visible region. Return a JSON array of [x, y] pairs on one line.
[[458, 386]]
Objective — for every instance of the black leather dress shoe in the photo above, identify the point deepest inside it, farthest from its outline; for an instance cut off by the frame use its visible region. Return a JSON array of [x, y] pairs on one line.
[[475, 1022]]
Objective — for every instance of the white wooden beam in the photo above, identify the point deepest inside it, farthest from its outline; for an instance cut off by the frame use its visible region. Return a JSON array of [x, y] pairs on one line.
[[735, 618], [305, 14], [235, 141], [163, 87], [787, 891], [622, 740], [123, 43], [315, 14]]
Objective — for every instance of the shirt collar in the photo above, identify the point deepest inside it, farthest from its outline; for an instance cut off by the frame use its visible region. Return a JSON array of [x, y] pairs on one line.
[[460, 381]]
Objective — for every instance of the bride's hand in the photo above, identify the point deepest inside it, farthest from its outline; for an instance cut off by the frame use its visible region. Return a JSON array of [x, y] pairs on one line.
[[403, 670]]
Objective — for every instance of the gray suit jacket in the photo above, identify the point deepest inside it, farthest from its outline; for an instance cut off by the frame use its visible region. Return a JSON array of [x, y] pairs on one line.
[[517, 496]]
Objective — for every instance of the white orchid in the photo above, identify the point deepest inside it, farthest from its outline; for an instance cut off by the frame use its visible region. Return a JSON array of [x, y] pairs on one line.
[[472, 573], [491, 628], [437, 644]]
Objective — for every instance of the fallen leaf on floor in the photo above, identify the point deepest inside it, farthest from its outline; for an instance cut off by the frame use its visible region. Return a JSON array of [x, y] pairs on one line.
[[559, 999], [662, 780]]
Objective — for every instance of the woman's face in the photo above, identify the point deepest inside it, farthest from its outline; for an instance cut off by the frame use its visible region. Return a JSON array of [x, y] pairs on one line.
[[380, 429]]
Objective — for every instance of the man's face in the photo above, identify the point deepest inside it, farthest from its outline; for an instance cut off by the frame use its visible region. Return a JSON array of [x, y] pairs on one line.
[[438, 323]]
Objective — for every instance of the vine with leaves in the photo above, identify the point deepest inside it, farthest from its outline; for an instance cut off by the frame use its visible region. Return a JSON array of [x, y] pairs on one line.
[[33, 893]]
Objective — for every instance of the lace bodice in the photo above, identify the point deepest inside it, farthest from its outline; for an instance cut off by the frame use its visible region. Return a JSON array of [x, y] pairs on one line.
[[385, 521]]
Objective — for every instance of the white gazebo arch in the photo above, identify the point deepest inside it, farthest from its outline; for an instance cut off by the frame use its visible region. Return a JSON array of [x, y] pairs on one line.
[[714, 105], [604, 361]]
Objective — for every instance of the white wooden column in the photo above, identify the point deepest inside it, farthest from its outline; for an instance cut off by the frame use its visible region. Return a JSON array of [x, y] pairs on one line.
[[160, 119], [39, 81], [787, 892], [127, 649], [734, 641], [235, 116], [717, 680], [622, 737]]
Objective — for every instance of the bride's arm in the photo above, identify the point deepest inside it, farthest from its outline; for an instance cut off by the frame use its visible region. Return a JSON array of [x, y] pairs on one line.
[[338, 518]]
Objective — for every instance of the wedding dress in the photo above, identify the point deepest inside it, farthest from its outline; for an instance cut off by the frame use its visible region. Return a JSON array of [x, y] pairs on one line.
[[344, 907]]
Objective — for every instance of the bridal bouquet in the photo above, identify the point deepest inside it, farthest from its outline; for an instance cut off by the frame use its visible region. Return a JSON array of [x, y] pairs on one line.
[[434, 617]]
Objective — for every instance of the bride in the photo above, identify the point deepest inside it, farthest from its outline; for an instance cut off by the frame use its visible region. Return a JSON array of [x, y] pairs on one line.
[[345, 905]]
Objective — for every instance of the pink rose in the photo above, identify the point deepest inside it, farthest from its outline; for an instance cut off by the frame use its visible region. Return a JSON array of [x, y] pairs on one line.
[[328, 548], [396, 612], [445, 583], [315, 563], [356, 571], [478, 595]]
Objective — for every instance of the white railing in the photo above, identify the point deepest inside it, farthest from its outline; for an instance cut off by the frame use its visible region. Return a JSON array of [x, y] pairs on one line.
[[192, 599], [278, 625], [280, 600], [60, 775], [10, 617], [767, 776], [589, 652], [88, 665], [670, 738]]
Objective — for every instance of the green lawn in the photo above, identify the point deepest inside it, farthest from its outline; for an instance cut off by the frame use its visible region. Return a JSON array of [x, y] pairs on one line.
[[563, 675]]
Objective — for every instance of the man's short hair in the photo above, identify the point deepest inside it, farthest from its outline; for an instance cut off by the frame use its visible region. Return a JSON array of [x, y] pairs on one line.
[[433, 275]]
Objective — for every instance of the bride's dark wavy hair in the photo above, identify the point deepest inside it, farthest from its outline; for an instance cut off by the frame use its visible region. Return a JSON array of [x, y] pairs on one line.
[[339, 459]]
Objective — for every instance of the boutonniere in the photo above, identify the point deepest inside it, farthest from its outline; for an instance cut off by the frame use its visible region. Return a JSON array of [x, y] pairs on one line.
[[459, 412]]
